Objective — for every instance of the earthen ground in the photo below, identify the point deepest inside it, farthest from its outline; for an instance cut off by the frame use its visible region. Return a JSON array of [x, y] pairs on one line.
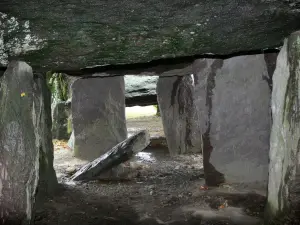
[[155, 189]]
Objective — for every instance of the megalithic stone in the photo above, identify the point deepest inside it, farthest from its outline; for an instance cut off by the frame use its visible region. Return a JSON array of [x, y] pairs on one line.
[[112, 158], [175, 96], [26, 150], [98, 115], [236, 113], [284, 169]]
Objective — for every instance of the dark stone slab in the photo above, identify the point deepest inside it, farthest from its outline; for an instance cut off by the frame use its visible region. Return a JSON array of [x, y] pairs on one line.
[[140, 90], [237, 115], [177, 109], [77, 34], [284, 171], [61, 128], [26, 161], [98, 115]]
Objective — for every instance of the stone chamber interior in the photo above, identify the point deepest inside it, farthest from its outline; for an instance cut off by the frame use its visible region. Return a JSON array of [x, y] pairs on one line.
[[221, 145], [167, 182]]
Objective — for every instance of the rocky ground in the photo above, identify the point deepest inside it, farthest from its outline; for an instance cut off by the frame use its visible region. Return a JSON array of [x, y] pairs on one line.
[[156, 189], [153, 188]]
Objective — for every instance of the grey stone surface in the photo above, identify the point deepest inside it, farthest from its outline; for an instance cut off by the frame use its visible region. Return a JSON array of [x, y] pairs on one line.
[[237, 118], [140, 90], [176, 102], [61, 113], [26, 161], [120, 153], [77, 34], [98, 115], [284, 170]]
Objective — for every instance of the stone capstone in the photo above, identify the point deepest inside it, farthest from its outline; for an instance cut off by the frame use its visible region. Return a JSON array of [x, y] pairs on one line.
[[26, 161], [175, 96], [233, 102], [284, 169], [98, 115], [140, 90], [71, 35]]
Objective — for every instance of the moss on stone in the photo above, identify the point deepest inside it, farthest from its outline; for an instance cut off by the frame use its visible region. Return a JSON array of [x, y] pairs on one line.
[[58, 85], [292, 107]]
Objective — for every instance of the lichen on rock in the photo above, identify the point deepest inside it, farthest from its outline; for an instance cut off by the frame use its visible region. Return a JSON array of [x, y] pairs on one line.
[[16, 38], [25, 143], [284, 169]]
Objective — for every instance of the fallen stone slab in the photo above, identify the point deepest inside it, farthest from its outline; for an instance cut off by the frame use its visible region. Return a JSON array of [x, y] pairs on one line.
[[284, 169], [26, 149], [115, 156]]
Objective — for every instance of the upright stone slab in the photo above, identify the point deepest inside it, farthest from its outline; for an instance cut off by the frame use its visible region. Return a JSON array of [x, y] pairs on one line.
[[176, 102], [237, 119], [26, 150], [284, 170], [61, 128], [98, 112]]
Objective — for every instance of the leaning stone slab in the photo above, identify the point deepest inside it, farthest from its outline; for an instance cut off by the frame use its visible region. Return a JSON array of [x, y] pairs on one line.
[[120, 153], [98, 115], [284, 170], [175, 96], [236, 111], [26, 150]]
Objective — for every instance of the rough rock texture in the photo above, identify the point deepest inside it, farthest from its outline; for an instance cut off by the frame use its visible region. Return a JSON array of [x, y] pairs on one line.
[[76, 34], [120, 153], [61, 129], [284, 171], [233, 99], [176, 102], [26, 160], [140, 90], [98, 115]]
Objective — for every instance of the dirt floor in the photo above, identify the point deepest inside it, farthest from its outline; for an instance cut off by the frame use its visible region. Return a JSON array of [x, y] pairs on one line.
[[153, 188], [152, 123], [156, 189]]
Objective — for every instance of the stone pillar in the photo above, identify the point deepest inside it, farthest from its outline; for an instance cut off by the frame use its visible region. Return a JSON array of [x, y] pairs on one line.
[[60, 120], [233, 102], [98, 112], [284, 170], [26, 150], [176, 103]]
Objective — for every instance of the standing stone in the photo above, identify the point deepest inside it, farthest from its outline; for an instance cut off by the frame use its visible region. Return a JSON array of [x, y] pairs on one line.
[[284, 170], [237, 119], [61, 128], [26, 158], [98, 112], [176, 102]]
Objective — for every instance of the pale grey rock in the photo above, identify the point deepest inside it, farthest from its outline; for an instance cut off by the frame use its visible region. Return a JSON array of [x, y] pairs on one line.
[[233, 102], [175, 96], [71, 141], [284, 170], [98, 115], [26, 161]]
